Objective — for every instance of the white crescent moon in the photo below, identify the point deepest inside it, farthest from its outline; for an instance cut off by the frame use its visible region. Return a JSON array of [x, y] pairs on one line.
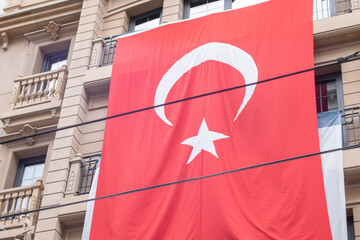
[[221, 52]]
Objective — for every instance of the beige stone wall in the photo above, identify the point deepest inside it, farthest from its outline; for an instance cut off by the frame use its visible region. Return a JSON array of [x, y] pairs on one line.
[[86, 94], [74, 107], [12, 64]]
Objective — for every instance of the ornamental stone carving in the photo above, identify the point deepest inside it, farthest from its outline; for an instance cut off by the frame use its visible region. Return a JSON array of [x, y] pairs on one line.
[[355, 4], [5, 41], [27, 230], [26, 131], [53, 29]]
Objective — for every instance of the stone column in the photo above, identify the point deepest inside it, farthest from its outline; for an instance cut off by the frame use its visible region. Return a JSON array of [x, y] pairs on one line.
[[172, 11], [97, 52], [74, 104], [75, 175], [356, 216]]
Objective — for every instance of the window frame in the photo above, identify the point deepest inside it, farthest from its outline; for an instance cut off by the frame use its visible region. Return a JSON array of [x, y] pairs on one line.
[[186, 14], [143, 15], [339, 86], [332, 10], [26, 162], [46, 62]]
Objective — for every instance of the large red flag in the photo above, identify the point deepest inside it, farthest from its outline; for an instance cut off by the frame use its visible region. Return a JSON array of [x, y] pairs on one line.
[[217, 133]]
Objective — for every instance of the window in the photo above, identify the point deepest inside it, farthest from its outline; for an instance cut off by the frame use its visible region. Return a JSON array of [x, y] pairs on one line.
[[146, 20], [199, 8], [29, 170], [323, 9], [329, 94], [54, 61], [350, 227]]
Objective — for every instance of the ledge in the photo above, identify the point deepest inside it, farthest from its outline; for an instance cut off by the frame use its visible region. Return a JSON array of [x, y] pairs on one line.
[[97, 80], [37, 17], [41, 115], [73, 215], [337, 29], [351, 162]]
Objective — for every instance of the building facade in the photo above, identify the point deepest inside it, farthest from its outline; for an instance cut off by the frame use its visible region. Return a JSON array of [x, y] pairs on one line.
[[56, 61]]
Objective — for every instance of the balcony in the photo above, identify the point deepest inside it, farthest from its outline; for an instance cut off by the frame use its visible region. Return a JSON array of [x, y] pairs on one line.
[[351, 126], [16, 201], [104, 48], [36, 100], [82, 173], [329, 8]]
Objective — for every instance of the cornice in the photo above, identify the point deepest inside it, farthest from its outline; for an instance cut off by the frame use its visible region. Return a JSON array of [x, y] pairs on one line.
[[337, 29], [37, 17]]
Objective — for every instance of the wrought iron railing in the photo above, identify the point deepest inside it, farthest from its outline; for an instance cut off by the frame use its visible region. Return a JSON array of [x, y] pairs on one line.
[[322, 9], [351, 126], [329, 8], [88, 170], [109, 48]]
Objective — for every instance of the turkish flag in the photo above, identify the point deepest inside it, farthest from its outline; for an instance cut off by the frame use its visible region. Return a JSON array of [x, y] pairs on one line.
[[216, 133]]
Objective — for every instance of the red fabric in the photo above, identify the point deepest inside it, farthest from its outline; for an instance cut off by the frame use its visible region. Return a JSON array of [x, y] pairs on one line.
[[282, 201]]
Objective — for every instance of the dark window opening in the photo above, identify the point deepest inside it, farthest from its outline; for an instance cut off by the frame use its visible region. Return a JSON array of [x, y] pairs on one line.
[[146, 20], [29, 170], [54, 61], [350, 227], [328, 90]]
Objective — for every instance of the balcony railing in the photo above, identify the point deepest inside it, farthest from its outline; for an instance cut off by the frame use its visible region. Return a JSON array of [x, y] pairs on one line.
[[109, 48], [18, 200], [88, 173], [329, 8], [321, 9], [39, 88], [351, 126]]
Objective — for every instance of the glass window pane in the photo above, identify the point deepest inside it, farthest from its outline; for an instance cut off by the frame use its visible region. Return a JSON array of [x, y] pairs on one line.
[[326, 96], [55, 61], [57, 65], [244, 3], [331, 95], [149, 24], [148, 21], [38, 171], [321, 9], [26, 182], [202, 8], [28, 172], [32, 173], [318, 105]]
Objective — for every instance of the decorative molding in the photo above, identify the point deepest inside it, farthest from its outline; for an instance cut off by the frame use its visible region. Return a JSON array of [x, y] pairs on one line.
[[26, 233], [53, 112], [97, 51], [53, 29], [26, 131], [70, 186], [355, 4], [336, 32], [36, 17], [30, 141], [75, 175], [5, 41], [7, 122]]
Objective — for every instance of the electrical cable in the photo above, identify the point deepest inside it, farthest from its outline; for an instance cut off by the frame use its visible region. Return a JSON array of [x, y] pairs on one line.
[[339, 61], [184, 181]]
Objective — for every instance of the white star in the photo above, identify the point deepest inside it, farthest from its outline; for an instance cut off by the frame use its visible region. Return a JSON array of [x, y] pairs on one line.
[[203, 141]]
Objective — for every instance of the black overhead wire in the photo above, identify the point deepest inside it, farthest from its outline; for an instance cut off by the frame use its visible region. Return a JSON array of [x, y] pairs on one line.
[[340, 60], [183, 181]]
